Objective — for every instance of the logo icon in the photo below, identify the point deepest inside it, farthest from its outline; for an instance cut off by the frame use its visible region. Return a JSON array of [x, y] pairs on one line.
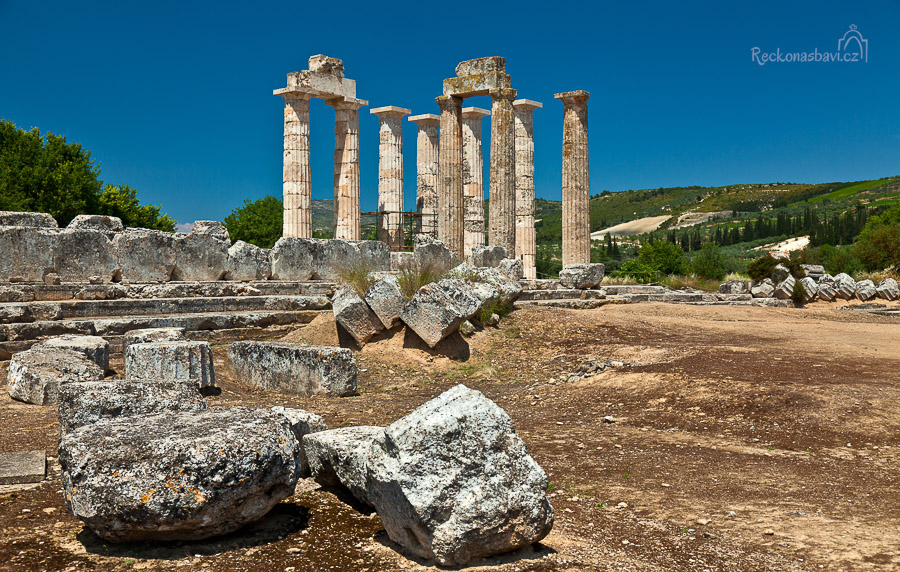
[[854, 47]]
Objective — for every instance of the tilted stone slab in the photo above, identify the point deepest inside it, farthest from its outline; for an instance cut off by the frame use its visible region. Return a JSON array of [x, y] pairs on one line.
[[826, 291], [178, 476], [488, 256], [149, 335], [145, 255], [353, 314], [171, 360], [21, 467], [94, 348], [810, 288], [36, 374], [765, 288], [582, 276], [90, 402], [430, 253], [386, 300], [342, 457], [453, 481], [844, 287], [295, 368], [34, 220], [437, 309], [785, 288], [302, 423], [247, 262], [888, 289], [865, 290]]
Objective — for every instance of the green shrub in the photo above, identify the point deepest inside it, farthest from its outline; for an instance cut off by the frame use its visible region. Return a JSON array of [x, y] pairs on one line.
[[709, 263], [499, 308], [762, 268], [798, 294], [358, 277], [837, 259], [662, 255], [638, 271], [878, 247], [258, 222], [413, 276], [795, 267]]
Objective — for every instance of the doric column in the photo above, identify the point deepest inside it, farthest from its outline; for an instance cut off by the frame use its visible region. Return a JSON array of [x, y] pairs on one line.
[[525, 241], [297, 187], [427, 171], [450, 181], [346, 168], [473, 177], [576, 184], [390, 174], [503, 170]]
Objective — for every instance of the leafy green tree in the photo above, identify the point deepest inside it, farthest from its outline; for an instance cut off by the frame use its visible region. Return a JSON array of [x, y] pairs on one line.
[[709, 263], [258, 222], [878, 245], [662, 255], [122, 202]]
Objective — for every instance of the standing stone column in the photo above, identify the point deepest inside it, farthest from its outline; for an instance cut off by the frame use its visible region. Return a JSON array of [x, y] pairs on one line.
[[427, 139], [473, 177], [346, 168], [297, 187], [450, 181], [503, 170], [390, 175], [576, 185], [525, 239]]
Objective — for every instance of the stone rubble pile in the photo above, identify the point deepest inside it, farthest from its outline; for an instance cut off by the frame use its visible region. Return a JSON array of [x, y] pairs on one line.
[[819, 286]]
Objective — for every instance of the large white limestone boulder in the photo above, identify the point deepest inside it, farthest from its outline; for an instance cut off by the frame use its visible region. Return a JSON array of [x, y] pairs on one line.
[[386, 300], [342, 457], [145, 255], [247, 262], [295, 368], [785, 288], [765, 288], [437, 309], [810, 288], [178, 475], [865, 290], [488, 256], [844, 287], [582, 276], [35, 375], [888, 289], [353, 314]]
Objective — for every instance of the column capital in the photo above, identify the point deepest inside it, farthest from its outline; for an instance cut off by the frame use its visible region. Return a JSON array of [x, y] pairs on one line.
[[527, 105], [390, 111], [293, 94], [475, 112], [425, 119], [351, 104], [448, 101], [503, 93], [569, 97]]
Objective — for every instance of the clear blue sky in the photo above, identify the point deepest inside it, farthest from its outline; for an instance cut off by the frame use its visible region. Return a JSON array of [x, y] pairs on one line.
[[175, 98]]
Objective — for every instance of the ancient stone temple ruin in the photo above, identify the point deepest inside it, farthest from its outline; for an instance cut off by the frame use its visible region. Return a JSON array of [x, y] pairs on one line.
[[449, 164]]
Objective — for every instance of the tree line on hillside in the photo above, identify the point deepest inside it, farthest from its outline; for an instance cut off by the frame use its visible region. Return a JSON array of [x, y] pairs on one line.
[[51, 175]]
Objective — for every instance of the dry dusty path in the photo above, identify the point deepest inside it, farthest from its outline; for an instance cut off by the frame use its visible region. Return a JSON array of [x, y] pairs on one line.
[[779, 429]]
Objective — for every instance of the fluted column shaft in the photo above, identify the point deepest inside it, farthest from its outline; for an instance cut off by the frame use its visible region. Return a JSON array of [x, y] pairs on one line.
[[450, 181], [576, 187], [503, 170], [297, 177], [346, 169], [525, 236], [427, 140], [473, 179], [390, 175]]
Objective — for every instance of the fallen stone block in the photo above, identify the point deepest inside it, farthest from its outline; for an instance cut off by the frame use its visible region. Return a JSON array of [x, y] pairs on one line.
[[826, 279], [386, 300], [36, 374], [147, 335], [765, 288], [487, 256], [22, 467], [734, 287], [453, 481], [509, 287], [437, 309], [247, 262], [295, 368], [888, 289], [780, 272], [865, 290], [103, 223], [785, 288], [200, 257], [826, 291], [90, 402], [34, 220], [94, 348], [178, 476], [582, 276], [293, 259], [355, 316], [342, 457], [171, 361], [302, 423], [512, 267], [211, 228], [145, 255], [814, 271], [810, 289], [844, 287], [431, 253]]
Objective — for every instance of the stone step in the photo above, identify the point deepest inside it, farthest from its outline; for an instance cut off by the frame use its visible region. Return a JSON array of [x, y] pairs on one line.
[[26, 312], [569, 304], [562, 294], [620, 289], [16, 337], [44, 292]]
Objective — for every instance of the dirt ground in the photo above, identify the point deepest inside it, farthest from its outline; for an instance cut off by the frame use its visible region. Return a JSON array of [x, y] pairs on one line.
[[741, 439]]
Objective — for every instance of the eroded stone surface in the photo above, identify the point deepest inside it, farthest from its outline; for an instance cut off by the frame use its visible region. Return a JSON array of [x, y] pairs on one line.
[[212, 228], [582, 276], [342, 457], [94, 348], [302, 423], [785, 288], [247, 262], [171, 360], [513, 267], [865, 290], [488, 256], [145, 255], [200, 256], [353, 314], [888, 289], [844, 286], [20, 467], [34, 220], [437, 309], [102, 223], [178, 476], [36, 374], [810, 288], [386, 300], [734, 287], [147, 335], [295, 368]]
